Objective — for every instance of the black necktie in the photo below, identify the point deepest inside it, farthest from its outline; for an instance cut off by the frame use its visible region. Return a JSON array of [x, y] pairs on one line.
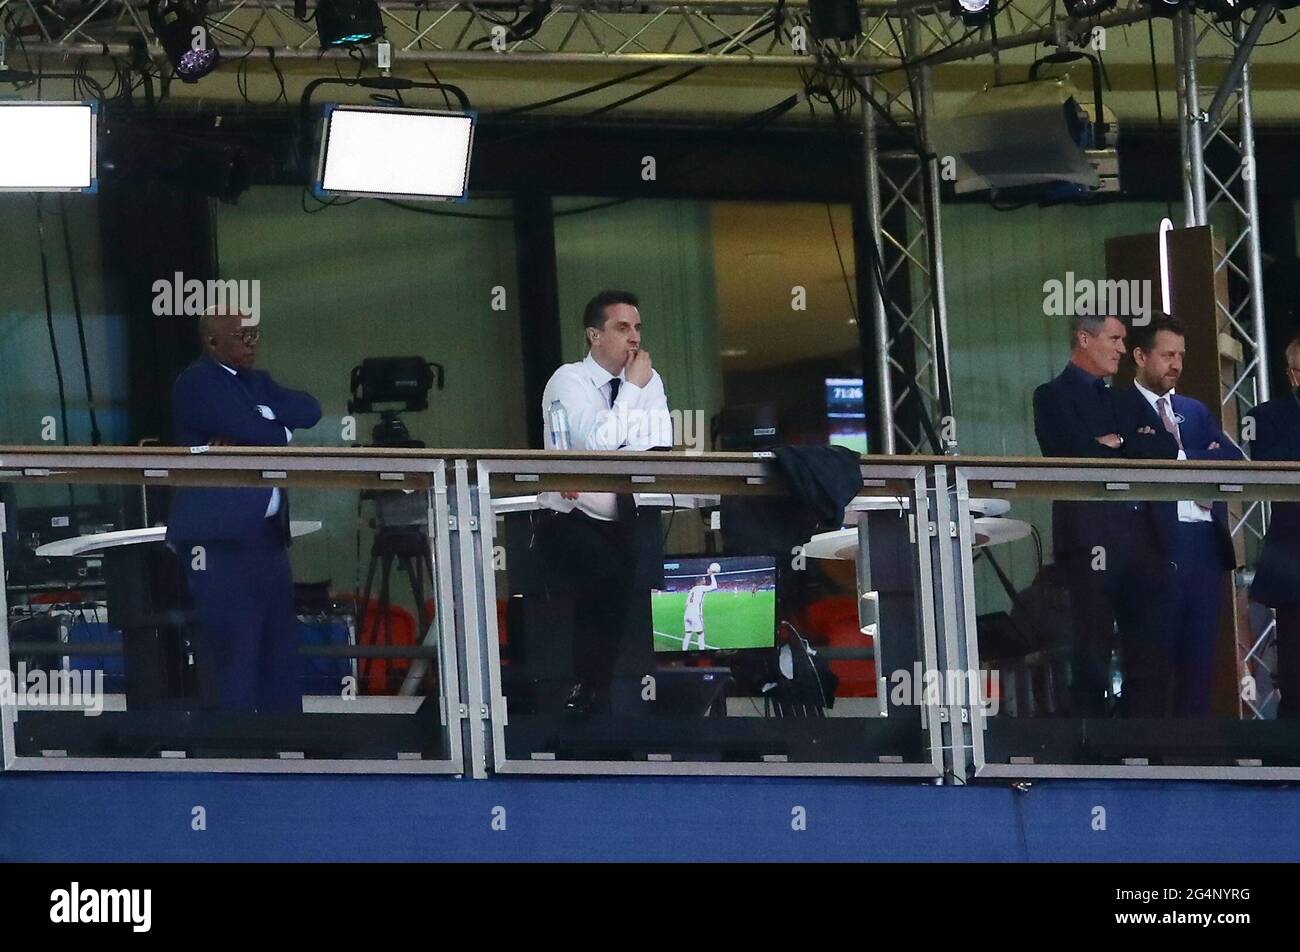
[[625, 504]]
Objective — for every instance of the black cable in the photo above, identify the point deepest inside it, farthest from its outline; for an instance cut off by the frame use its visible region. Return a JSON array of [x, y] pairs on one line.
[[49, 323], [993, 38], [430, 211], [609, 107], [672, 514], [605, 84], [434, 76], [844, 272], [594, 208], [1287, 38], [913, 136], [1105, 76], [95, 437], [284, 93], [575, 94], [324, 203]]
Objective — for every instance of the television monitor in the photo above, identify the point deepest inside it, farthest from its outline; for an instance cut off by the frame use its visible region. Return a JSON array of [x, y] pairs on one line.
[[846, 414], [387, 152], [715, 603], [48, 147]]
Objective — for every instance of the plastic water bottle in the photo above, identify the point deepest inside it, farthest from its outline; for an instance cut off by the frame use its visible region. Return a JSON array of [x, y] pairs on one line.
[[559, 425]]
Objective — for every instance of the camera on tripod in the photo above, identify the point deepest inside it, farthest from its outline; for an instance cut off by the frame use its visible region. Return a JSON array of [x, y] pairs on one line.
[[406, 382]]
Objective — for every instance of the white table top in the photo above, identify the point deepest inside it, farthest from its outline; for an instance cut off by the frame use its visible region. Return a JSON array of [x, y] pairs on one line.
[[843, 543], [504, 504], [80, 545], [861, 504]]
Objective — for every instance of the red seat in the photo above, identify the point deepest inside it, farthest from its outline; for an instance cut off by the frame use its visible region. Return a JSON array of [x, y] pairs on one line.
[[385, 675], [833, 623]]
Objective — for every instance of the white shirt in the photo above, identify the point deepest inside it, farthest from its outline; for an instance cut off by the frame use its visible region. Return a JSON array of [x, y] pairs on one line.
[[273, 506], [638, 420], [1188, 511], [695, 597]]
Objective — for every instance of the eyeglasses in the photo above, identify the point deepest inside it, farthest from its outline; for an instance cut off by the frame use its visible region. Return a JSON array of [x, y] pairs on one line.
[[248, 337]]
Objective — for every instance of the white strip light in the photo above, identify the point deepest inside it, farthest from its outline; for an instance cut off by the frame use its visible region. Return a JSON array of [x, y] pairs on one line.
[[395, 153], [47, 147], [1166, 226]]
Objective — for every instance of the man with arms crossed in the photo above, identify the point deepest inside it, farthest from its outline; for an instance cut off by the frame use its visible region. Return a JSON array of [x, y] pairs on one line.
[[1193, 536], [1276, 436], [1107, 551], [233, 542]]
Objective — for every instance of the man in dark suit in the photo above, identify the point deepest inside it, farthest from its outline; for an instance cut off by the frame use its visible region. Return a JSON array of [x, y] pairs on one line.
[[1193, 536], [1107, 551], [233, 542], [1276, 436]]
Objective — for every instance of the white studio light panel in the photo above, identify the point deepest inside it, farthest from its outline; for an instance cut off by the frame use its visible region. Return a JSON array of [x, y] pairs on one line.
[[47, 147], [380, 152]]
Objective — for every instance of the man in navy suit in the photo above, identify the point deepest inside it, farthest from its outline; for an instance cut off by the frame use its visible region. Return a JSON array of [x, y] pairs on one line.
[[1193, 536], [1106, 551], [233, 542], [1276, 436]]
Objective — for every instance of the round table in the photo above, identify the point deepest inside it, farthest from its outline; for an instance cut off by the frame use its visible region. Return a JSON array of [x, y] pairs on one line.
[[843, 543]]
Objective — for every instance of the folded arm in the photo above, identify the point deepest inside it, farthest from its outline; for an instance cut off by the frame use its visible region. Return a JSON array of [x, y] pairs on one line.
[[211, 412], [296, 409], [1062, 433]]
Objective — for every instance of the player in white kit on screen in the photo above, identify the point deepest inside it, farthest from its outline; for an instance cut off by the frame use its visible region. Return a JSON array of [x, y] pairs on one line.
[[693, 617]]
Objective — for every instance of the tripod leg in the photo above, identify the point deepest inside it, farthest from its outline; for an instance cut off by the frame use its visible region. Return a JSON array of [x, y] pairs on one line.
[[420, 666], [361, 611]]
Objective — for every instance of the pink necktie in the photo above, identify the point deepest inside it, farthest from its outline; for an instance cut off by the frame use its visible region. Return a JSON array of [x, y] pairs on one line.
[[1162, 406]]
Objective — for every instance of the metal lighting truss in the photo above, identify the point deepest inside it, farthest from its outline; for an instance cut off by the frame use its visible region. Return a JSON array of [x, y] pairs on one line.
[[899, 39], [604, 32], [910, 316], [1218, 166]]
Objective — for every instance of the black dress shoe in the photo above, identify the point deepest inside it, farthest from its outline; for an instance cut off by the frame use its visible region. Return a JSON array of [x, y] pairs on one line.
[[580, 700]]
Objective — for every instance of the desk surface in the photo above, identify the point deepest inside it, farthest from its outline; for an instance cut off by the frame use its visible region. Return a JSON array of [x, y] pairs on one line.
[[80, 545], [504, 504], [843, 543]]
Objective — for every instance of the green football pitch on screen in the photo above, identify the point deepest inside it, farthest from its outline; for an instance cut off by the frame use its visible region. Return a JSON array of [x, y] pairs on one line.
[[731, 620]]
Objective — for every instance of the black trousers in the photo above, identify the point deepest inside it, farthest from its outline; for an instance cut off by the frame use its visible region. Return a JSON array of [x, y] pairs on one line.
[[1129, 593], [590, 562], [1287, 676]]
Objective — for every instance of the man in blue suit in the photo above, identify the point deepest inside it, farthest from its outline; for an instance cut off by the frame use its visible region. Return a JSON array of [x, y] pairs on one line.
[[1106, 551], [233, 542], [1276, 436], [1193, 536]]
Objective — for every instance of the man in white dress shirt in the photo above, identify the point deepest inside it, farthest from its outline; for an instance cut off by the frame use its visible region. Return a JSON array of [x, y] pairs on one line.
[[1196, 537], [613, 399]]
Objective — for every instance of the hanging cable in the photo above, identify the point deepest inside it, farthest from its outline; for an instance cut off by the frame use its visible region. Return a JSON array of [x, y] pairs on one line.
[[95, 436]]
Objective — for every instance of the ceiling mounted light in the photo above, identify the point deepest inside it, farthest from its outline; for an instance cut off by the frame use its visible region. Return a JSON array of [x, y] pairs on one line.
[[972, 12], [1085, 9], [180, 28], [347, 22]]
